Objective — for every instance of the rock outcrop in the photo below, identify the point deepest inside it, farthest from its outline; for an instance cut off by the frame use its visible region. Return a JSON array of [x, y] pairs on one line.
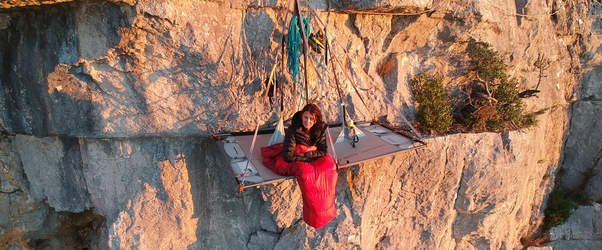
[[583, 148], [105, 109], [581, 231], [452, 194], [444, 197]]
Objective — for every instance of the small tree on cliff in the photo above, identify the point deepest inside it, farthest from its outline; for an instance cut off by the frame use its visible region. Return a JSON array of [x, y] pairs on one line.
[[491, 102], [434, 109]]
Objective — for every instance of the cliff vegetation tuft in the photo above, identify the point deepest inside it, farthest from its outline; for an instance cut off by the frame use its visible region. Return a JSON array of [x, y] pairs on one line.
[[489, 99]]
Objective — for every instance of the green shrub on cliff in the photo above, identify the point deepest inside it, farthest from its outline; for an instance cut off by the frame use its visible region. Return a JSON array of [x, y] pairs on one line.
[[558, 209], [493, 103], [490, 100], [487, 63], [434, 110]]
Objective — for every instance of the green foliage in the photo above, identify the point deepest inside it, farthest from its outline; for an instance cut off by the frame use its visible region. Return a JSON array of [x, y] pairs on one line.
[[528, 120], [487, 62], [558, 209], [509, 106], [489, 101], [435, 110], [562, 201], [493, 88]]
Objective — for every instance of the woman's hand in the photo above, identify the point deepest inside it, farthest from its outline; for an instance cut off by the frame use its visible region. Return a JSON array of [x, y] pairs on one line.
[[312, 148]]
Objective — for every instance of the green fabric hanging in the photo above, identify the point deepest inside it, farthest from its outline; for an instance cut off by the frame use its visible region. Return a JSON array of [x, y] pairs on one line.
[[294, 43]]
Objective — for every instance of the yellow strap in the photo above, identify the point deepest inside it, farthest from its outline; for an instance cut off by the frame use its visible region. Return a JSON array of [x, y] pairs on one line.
[[270, 81]]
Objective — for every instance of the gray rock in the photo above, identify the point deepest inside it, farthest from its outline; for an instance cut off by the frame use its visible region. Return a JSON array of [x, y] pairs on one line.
[[576, 244], [283, 201], [583, 224], [591, 89], [177, 185], [38, 42], [53, 166], [266, 221], [262, 240], [12, 178], [18, 209], [292, 237], [582, 149]]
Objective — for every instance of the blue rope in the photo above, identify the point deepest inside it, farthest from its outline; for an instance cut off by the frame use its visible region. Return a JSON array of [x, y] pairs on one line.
[[293, 44]]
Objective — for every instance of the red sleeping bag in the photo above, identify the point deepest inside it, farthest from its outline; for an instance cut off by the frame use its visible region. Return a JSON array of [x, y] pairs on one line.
[[317, 179]]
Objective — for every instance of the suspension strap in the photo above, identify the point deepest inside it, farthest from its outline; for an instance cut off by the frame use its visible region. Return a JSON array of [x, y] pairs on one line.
[[372, 82], [305, 46], [346, 73], [282, 54], [334, 151], [245, 172], [336, 80]]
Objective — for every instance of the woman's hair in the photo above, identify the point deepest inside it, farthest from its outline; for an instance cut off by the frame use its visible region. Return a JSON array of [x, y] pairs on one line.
[[315, 111]]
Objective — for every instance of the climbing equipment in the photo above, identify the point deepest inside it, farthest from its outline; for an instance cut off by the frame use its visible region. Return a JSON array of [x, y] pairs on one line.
[[379, 141]]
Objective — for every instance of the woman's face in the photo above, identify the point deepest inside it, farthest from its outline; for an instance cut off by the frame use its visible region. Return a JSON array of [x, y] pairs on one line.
[[308, 120]]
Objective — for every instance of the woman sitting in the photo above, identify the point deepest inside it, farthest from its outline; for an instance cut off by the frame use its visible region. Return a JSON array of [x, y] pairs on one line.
[[304, 154]]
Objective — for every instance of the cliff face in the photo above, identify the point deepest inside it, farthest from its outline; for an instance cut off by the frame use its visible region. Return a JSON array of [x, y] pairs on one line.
[[105, 107], [465, 191]]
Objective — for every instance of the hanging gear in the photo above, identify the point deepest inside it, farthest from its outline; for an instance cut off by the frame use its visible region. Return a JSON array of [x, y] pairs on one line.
[[349, 132], [245, 166], [293, 44], [316, 41]]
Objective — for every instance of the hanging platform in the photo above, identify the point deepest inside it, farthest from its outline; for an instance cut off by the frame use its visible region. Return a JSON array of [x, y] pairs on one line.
[[378, 142]]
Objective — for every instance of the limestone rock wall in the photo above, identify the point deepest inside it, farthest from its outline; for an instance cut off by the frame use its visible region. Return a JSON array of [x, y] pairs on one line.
[[447, 196], [464, 191], [19, 208], [106, 106], [583, 148], [103, 69], [152, 192]]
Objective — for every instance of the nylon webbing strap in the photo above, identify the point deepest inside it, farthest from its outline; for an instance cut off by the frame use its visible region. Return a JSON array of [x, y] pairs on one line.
[[334, 151], [282, 54], [350, 80], [336, 80], [244, 175]]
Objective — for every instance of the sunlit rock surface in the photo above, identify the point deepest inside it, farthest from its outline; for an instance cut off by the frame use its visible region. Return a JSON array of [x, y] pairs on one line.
[[105, 108], [104, 69], [445, 196]]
